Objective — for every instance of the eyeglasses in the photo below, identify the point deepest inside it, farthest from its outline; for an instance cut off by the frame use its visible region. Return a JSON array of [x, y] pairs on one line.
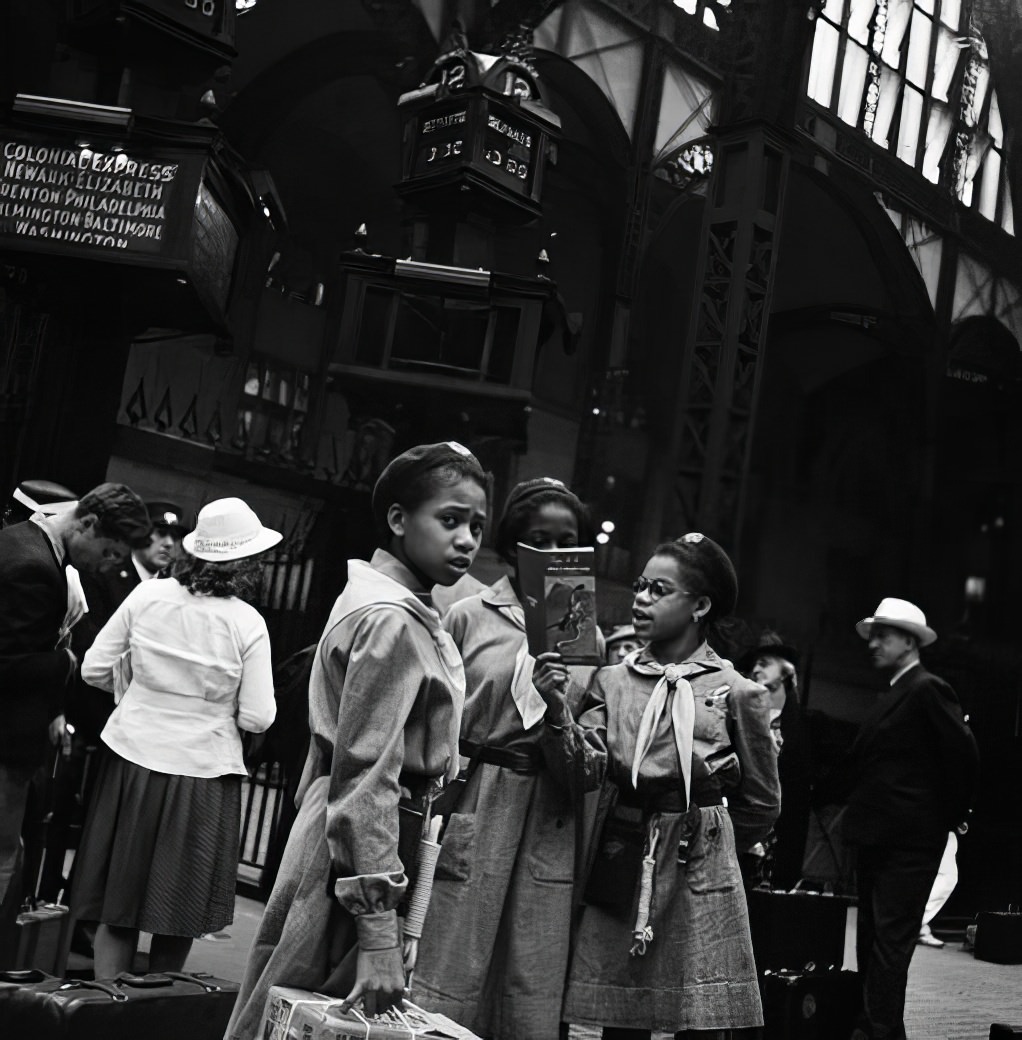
[[657, 588]]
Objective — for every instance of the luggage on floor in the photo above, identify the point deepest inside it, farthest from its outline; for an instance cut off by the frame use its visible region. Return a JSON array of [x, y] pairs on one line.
[[297, 1014], [999, 937], [999, 1031], [810, 1004], [44, 938], [792, 929], [172, 1006]]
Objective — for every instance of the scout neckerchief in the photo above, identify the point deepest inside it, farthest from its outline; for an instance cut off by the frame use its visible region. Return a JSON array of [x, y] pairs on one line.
[[370, 588], [672, 693], [528, 702]]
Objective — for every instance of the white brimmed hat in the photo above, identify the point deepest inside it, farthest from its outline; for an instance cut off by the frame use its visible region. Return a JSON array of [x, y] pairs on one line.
[[227, 529], [899, 613]]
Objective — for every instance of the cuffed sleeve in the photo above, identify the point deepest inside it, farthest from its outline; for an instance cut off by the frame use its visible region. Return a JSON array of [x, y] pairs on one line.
[[756, 803], [372, 894], [256, 706]]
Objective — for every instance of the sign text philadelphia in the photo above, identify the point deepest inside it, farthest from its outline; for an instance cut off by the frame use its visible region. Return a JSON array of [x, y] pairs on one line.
[[83, 197]]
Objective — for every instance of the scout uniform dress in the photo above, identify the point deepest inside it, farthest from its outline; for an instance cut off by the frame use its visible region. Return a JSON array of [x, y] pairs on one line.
[[692, 966], [494, 951], [385, 700]]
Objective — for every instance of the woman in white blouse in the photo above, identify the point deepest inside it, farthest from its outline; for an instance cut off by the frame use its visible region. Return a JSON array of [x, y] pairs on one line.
[[188, 662]]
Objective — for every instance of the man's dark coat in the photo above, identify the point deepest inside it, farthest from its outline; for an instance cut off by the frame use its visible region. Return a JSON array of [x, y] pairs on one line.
[[915, 766], [34, 674]]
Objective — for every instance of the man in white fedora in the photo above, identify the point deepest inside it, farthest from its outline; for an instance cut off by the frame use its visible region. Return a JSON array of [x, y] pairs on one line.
[[914, 771]]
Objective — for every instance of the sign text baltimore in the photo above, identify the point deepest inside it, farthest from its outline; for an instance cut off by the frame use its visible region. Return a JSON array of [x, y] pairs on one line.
[[83, 197]]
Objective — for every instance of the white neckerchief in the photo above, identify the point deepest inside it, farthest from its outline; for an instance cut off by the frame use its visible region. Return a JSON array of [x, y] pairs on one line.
[[369, 587], [528, 703], [77, 605], [672, 693]]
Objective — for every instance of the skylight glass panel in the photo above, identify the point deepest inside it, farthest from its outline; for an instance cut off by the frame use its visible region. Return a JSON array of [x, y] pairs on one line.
[[898, 14], [937, 131], [951, 12], [823, 63], [994, 126], [853, 83], [890, 88], [989, 185], [860, 15], [908, 131], [948, 53], [918, 63]]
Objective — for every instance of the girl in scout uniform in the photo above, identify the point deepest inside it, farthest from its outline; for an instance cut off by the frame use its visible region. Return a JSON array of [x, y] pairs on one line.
[[494, 952], [385, 700], [663, 943]]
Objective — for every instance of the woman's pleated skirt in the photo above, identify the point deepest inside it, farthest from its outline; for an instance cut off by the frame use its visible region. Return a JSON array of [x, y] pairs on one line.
[[159, 852]]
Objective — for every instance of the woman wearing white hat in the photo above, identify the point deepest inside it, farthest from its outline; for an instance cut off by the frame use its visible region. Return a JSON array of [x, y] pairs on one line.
[[188, 662]]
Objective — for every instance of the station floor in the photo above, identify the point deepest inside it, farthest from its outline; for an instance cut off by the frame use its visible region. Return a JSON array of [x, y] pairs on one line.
[[951, 995]]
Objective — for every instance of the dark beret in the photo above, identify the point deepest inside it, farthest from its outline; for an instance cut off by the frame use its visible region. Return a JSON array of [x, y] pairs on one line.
[[716, 572], [400, 472]]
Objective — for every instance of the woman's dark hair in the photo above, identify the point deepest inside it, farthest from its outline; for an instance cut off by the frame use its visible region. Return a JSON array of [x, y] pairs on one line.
[[523, 503], [240, 578], [709, 568]]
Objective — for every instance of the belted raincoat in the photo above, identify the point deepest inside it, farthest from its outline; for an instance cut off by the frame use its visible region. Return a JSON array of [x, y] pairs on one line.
[[385, 701], [494, 952]]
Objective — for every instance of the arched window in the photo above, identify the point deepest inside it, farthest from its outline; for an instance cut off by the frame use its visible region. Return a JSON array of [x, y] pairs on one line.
[[914, 76]]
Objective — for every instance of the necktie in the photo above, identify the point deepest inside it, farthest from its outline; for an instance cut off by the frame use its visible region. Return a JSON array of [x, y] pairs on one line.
[[672, 693], [528, 702]]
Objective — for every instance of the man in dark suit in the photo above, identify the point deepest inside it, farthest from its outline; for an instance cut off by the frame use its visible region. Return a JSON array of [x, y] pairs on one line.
[[36, 660], [914, 772]]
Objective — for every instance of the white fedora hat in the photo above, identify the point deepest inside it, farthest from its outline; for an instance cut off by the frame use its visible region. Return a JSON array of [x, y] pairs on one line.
[[899, 613], [227, 529]]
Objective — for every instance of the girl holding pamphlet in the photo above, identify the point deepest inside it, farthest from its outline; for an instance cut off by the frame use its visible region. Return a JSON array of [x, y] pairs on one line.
[[385, 700], [494, 952], [663, 942]]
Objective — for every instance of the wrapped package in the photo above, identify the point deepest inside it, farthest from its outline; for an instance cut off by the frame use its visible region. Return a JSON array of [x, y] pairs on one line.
[[297, 1014]]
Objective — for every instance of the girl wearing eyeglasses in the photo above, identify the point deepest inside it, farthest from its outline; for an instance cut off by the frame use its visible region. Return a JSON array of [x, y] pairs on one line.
[[663, 943]]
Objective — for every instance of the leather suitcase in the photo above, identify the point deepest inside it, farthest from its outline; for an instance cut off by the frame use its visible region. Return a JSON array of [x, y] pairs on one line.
[[999, 938], [151, 1007], [793, 929], [810, 1005], [13, 980], [44, 938]]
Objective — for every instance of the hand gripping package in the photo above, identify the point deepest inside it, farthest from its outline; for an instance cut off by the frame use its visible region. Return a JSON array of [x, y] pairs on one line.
[[297, 1014]]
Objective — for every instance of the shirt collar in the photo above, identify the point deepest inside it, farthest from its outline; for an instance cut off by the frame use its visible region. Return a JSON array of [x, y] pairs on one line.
[[703, 654], [500, 594], [56, 543], [388, 564], [144, 573], [901, 671]]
